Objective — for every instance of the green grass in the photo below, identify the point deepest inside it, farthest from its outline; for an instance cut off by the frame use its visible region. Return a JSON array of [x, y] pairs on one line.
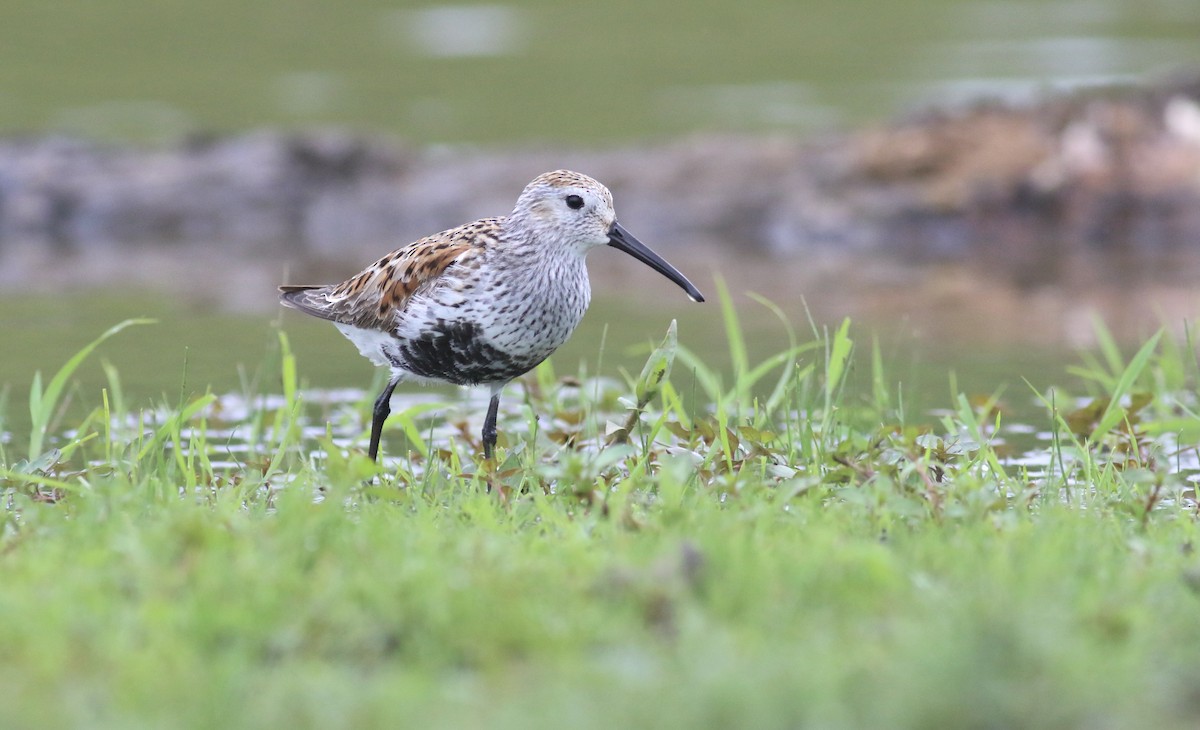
[[775, 550]]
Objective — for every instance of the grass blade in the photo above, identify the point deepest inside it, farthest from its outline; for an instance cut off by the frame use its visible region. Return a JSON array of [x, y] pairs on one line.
[[42, 404]]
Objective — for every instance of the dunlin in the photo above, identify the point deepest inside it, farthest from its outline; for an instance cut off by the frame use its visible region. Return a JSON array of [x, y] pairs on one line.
[[483, 303]]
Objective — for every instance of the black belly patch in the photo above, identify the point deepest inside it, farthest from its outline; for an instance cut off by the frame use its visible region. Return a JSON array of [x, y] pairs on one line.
[[454, 352]]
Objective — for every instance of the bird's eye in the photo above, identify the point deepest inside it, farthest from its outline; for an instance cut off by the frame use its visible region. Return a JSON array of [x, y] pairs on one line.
[[574, 202]]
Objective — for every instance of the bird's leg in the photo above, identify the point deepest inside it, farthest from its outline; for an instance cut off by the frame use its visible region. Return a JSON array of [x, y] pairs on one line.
[[383, 407], [489, 446], [489, 427]]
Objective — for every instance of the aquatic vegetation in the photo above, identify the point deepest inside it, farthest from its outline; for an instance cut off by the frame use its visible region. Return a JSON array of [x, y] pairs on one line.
[[763, 550]]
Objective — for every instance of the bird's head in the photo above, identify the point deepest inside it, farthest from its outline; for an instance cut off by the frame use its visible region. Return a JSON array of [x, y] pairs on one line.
[[571, 210]]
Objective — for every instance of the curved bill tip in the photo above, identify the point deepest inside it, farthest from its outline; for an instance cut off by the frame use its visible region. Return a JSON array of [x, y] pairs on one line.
[[623, 240]]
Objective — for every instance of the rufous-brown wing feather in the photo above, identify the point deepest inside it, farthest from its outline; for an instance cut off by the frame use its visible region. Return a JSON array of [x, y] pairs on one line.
[[371, 298]]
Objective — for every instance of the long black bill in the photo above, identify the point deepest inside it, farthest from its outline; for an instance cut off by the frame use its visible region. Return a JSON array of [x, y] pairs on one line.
[[621, 239]]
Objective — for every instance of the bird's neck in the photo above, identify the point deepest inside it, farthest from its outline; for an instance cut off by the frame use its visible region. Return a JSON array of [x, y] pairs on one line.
[[544, 270]]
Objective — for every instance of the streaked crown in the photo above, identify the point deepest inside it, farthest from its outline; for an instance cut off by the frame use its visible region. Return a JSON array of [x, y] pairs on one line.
[[567, 207]]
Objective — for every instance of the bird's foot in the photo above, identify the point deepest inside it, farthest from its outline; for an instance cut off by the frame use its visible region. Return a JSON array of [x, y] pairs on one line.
[[492, 477]]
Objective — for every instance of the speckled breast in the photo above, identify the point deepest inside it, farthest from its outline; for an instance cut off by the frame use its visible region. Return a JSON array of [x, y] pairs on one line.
[[494, 328]]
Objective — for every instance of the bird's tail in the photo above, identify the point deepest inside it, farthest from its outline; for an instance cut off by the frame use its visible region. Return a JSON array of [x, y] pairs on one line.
[[301, 296]]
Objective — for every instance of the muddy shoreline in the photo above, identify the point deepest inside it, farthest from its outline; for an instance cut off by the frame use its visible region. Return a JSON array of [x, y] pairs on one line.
[[1111, 168], [1088, 200]]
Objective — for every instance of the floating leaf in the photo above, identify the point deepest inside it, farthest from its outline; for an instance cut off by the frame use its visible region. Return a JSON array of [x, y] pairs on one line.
[[41, 465], [681, 432], [1082, 421], [756, 436]]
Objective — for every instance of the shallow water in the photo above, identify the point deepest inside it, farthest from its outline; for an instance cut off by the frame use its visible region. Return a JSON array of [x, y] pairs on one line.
[[940, 329], [194, 348]]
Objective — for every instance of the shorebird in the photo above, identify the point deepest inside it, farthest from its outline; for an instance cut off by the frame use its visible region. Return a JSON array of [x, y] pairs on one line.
[[482, 303]]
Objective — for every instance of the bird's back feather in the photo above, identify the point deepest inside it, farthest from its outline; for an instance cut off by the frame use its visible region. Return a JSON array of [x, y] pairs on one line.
[[372, 298]]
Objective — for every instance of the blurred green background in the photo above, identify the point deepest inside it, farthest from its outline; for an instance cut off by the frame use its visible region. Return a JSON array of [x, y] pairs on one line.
[[571, 73]]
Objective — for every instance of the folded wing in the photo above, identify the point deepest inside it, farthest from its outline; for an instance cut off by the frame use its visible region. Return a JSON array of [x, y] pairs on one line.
[[373, 298]]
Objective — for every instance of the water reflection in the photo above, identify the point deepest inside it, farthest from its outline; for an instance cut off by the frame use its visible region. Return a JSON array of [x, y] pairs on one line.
[[1062, 57], [458, 31]]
